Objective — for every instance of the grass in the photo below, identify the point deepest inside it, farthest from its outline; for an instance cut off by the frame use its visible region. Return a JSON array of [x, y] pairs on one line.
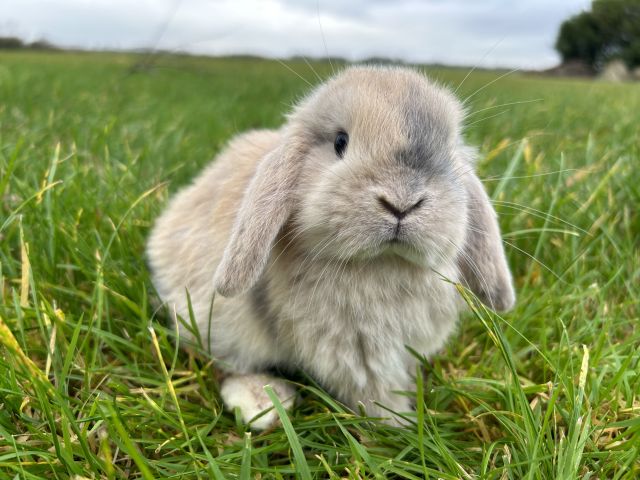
[[92, 386]]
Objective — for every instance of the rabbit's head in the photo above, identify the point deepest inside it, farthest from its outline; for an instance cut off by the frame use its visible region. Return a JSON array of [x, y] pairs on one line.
[[372, 164]]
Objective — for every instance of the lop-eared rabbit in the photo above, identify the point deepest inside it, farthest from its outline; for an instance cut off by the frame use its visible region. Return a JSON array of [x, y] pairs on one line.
[[333, 243]]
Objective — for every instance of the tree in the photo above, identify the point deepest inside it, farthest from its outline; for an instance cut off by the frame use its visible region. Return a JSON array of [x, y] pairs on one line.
[[610, 30], [11, 43]]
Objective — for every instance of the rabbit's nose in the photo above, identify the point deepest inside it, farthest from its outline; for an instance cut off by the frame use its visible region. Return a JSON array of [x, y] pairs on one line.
[[397, 212]]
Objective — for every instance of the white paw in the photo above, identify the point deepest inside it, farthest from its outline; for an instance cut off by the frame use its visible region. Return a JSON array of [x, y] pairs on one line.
[[246, 392]]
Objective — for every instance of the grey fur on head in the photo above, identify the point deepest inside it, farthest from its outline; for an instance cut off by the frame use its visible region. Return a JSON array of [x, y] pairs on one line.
[[331, 260]]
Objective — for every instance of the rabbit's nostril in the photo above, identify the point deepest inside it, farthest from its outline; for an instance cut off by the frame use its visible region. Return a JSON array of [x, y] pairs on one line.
[[416, 205], [397, 212], [388, 206]]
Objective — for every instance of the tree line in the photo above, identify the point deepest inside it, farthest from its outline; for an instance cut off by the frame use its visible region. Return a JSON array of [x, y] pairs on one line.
[[610, 30], [15, 43]]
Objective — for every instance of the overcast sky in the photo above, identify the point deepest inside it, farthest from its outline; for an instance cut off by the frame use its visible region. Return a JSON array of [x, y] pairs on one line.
[[509, 33]]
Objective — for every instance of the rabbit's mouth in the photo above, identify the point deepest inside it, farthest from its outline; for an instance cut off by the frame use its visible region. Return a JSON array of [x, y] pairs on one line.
[[398, 243], [422, 251], [400, 248], [399, 235]]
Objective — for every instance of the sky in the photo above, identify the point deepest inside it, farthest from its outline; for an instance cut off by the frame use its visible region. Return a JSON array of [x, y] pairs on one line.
[[486, 33]]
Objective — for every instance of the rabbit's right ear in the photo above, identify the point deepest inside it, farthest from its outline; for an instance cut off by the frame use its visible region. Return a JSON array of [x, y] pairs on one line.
[[265, 208]]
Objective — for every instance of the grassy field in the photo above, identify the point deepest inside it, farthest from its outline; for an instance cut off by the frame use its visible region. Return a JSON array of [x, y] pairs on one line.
[[91, 385]]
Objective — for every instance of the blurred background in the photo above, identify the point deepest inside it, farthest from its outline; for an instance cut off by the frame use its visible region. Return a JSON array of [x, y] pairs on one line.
[[493, 33]]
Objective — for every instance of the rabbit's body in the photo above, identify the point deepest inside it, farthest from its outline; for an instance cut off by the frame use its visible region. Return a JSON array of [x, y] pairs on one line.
[[186, 246], [348, 325], [328, 264]]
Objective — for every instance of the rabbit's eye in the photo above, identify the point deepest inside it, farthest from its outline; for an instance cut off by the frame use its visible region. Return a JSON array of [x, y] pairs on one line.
[[340, 143]]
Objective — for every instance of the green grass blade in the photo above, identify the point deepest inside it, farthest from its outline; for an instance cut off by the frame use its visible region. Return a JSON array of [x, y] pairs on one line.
[[111, 416], [302, 467], [245, 466]]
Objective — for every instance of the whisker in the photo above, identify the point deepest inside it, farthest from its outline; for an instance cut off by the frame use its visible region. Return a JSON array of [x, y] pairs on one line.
[[466, 125], [490, 83], [312, 69], [472, 263], [294, 72], [494, 178], [504, 105], [324, 40], [539, 262], [495, 45], [537, 213]]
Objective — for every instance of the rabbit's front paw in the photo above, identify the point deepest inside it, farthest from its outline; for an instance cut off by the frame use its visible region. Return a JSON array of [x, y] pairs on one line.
[[246, 392]]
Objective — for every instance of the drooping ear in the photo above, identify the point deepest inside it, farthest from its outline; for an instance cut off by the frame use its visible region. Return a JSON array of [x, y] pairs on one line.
[[265, 208], [482, 262]]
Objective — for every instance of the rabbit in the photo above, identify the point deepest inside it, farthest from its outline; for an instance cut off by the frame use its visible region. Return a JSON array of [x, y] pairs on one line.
[[333, 243]]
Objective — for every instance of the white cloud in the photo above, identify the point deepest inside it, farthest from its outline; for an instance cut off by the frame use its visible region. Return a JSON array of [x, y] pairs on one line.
[[505, 33]]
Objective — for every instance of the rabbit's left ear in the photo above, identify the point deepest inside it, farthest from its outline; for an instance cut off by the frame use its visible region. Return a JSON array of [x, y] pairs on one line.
[[482, 261], [265, 208]]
